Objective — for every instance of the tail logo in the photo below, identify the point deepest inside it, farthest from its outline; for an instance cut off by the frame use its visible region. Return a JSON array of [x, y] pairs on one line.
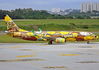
[[9, 25]]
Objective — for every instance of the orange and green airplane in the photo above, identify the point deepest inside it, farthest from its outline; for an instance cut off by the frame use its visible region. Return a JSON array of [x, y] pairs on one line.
[[58, 36]]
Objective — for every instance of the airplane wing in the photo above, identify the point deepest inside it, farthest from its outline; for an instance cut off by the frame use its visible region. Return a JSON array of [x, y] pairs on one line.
[[50, 38], [56, 38]]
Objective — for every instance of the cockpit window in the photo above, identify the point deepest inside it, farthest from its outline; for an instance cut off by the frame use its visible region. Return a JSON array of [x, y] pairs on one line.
[[84, 33]]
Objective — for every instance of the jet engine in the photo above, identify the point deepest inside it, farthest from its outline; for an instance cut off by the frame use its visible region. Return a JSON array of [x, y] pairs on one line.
[[60, 40]]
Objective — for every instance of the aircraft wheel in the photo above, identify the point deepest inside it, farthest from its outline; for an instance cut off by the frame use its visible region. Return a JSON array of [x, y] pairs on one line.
[[88, 42], [50, 42]]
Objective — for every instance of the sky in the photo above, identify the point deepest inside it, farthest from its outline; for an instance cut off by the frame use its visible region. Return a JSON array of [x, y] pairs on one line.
[[43, 4]]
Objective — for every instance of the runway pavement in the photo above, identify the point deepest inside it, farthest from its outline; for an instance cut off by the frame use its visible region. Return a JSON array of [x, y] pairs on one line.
[[40, 56]]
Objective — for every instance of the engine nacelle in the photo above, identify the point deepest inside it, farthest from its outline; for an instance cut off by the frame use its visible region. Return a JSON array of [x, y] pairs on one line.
[[60, 40]]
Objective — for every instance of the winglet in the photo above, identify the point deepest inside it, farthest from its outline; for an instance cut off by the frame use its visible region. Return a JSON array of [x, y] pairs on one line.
[[33, 33], [40, 30]]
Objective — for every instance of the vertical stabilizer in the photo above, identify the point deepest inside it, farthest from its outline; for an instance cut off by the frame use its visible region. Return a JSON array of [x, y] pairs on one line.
[[11, 26]]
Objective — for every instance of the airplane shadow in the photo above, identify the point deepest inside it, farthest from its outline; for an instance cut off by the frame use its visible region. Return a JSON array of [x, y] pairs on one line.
[[69, 43], [55, 44]]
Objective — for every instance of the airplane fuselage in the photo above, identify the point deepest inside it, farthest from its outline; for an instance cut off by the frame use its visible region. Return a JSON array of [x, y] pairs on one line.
[[67, 35]]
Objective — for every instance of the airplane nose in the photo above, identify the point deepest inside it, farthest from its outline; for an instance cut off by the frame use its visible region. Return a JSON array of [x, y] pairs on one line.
[[96, 37]]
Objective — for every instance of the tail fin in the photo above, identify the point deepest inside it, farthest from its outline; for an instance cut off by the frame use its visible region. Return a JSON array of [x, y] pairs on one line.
[[11, 26]]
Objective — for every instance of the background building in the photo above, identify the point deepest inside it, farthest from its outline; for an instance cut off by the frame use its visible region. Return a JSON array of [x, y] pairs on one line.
[[62, 11], [85, 7], [95, 6], [56, 10]]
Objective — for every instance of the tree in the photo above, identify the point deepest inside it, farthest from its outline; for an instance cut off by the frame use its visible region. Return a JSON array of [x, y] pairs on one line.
[[95, 11], [30, 14], [70, 17], [80, 17], [88, 17]]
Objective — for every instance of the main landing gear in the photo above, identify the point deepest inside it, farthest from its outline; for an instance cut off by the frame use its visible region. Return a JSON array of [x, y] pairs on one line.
[[50, 42], [88, 42]]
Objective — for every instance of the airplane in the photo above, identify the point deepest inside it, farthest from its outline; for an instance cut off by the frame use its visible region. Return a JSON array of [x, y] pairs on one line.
[[58, 36]]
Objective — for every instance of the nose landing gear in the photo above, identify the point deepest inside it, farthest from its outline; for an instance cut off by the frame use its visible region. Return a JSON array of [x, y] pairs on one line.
[[88, 42], [50, 42]]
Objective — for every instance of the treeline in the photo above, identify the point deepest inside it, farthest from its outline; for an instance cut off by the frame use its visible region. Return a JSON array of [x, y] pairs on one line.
[[42, 14], [84, 15], [30, 14]]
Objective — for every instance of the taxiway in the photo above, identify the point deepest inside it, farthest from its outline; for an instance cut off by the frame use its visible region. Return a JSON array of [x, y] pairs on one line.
[[40, 56]]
